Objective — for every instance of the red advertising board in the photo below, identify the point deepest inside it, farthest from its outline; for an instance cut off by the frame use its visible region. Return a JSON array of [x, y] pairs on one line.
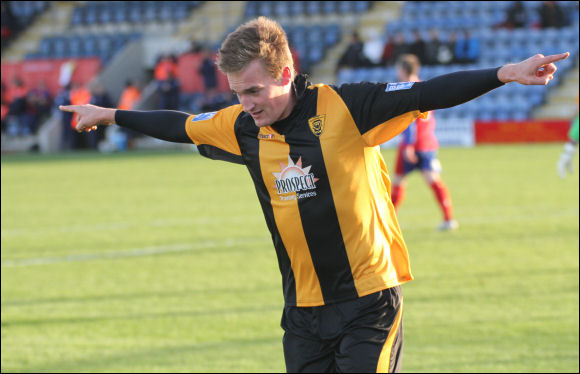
[[190, 78], [31, 72], [529, 131]]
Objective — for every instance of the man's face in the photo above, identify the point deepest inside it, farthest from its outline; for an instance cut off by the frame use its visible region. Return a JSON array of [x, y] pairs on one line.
[[267, 100]]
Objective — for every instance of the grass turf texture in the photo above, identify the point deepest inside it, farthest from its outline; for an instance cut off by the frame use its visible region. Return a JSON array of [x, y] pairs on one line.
[[161, 262]]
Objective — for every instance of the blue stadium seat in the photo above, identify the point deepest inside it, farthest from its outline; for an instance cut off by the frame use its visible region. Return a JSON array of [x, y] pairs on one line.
[[90, 44], [313, 7], [266, 9], [361, 6], [46, 47], [150, 14], [282, 8], [345, 76], [345, 7], [315, 55], [91, 16], [296, 8], [329, 7], [251, 9], [332, 35], [77, 17], [135, 15], [76, 47], [60, 49]]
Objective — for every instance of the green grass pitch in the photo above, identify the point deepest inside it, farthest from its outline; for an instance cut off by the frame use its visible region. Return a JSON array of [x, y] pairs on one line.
[[162, 262]]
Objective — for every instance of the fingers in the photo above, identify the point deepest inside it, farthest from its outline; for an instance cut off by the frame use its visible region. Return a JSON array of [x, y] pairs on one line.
[[553, 58], [68, 108]]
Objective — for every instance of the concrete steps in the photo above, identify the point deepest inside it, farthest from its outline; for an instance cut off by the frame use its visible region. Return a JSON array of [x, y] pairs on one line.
[[210, 22], [53, 21]]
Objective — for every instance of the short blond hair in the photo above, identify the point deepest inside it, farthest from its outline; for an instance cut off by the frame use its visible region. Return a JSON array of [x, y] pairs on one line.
[[260, 38]]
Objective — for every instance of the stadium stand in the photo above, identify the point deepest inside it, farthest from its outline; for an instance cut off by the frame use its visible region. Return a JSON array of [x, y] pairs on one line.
[[136, 12], [126, 38], [102, 46], [16, 15], [497, 46]]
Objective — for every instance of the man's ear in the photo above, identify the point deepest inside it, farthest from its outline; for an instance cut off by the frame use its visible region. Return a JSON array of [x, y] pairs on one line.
[[286, 76]]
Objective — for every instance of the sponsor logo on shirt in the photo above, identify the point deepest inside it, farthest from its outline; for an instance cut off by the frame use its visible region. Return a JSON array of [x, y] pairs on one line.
[[203, 116], [294, 182], [317, 124], [398, 86]]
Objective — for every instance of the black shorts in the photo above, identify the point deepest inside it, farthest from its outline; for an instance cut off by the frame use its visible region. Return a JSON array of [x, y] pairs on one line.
[[363, 335]]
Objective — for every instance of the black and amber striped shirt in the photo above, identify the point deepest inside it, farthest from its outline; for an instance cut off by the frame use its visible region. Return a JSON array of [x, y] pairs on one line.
[[322, 182]]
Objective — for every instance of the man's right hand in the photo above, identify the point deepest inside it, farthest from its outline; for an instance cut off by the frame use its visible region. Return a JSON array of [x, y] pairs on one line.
[[90, 116]]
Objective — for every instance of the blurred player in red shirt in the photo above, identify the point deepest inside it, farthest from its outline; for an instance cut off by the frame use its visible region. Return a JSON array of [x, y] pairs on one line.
[[418, 150]]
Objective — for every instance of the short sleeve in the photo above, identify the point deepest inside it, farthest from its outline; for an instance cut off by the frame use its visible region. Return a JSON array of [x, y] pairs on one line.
[[214, 134]]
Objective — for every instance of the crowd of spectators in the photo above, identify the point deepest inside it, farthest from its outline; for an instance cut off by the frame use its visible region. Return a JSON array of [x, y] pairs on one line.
[[23, 108], [170, 91], [549, 14], [78, 94], [457, 48]]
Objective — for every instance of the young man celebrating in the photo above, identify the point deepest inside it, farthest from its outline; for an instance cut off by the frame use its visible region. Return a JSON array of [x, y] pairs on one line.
[[312, 153], [418, 150]]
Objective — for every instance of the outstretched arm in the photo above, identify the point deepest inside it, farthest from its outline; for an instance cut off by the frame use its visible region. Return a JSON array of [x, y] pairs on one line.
[[457, 88], [167, 125]]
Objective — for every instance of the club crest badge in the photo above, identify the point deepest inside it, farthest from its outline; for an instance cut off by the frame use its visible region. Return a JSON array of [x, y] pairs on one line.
[[317, 124]]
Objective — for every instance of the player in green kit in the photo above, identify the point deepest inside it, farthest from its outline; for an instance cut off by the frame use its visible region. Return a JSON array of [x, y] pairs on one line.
[[565, 162]]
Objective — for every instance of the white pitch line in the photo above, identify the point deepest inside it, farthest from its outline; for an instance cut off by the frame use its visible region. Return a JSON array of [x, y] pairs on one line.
[[34, 230], [137, 252]]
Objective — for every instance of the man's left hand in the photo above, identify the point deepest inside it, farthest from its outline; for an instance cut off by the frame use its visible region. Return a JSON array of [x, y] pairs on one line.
[[536, 70]]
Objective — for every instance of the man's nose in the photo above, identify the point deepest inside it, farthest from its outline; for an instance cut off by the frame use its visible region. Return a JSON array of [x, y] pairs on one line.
[[246, 102]]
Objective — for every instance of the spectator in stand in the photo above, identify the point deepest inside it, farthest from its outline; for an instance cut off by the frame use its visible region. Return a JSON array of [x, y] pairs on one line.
[[516, 16], [17, 108], [551, 15], [208, 70], [388, 51], [354, 56], [418, 46], [195, 47], [39, 103], [169, 92], [99, 97], [67, 135], [167, 64], [432, 48], [128, 100], [438, 52], [130, 96], [466, 49], [449, 55], [373, 48], [40, 98], [80, 95], [400, 47], [5, 107]]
